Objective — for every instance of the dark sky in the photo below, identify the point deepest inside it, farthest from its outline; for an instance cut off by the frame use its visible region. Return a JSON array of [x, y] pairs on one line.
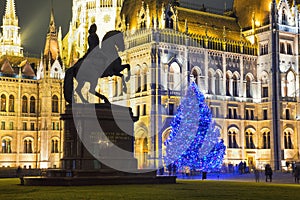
[[34, 16]]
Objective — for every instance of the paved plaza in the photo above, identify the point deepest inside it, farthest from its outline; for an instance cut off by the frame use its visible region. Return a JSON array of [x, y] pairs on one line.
[[278, 177]]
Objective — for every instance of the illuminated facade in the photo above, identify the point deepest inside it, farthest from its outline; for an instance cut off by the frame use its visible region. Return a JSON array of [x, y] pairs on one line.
[[84, 13], [10, 40], [247, 69], [31, 103]]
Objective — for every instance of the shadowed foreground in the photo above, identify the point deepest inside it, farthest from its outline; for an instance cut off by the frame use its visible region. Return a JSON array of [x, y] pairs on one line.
[[184, 189]]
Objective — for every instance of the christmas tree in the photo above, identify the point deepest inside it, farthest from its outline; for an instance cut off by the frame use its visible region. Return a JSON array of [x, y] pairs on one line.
[[194, 139]]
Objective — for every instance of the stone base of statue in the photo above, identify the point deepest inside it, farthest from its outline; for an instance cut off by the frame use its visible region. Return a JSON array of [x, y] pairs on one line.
[[98, 149]]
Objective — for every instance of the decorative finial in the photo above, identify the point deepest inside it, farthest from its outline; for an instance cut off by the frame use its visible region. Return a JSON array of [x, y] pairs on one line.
[[186, 26], [224, 32]]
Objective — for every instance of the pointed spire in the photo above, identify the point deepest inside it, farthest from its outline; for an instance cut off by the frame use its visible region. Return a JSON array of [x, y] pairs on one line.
[[11, 40], [52, 28], [59, 37], [224, 32], [186, 26], [40, 72], [53, 43], [10, 11]]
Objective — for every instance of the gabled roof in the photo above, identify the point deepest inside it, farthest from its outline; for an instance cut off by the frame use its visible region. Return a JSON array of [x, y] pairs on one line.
[[27, 70], [6, 68], [244, 10], [16, 60], [199, 22], [11, 66], [214, 25], [131, 8]]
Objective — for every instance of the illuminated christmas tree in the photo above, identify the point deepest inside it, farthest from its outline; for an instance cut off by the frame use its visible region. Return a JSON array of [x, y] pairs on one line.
[[194, 139]]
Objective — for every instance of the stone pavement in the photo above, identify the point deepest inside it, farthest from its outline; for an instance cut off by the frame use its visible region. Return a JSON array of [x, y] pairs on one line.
[[278, 177]]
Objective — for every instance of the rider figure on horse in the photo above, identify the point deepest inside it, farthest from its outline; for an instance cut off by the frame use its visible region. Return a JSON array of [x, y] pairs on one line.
[[106, 57], [93, 39]]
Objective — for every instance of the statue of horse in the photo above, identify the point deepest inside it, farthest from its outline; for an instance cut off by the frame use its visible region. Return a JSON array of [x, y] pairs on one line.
[[99, 63]]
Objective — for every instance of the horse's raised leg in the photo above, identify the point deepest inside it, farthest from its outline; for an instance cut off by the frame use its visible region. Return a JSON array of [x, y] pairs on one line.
[[93, 91], [78, 90], [129, 73], [124, 84], [101, 96]]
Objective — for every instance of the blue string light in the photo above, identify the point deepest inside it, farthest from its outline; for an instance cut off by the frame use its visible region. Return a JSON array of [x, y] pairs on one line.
[[194, 139]]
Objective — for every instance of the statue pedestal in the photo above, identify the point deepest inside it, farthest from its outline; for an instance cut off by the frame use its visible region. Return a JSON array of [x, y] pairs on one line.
[[98, 149], [98, 132]]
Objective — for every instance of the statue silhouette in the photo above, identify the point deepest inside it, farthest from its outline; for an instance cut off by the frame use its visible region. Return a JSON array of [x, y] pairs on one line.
[[93, 39], [96, 63]]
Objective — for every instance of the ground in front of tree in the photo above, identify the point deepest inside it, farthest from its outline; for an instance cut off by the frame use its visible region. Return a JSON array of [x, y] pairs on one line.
[[191, 188]]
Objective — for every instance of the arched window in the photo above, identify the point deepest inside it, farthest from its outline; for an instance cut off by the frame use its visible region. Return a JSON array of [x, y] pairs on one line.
[[249, 140], [145, 81], [288, 140], [266, 140], [284, 21], [32, 105], [3, 103], [228, 85], [141, 148], [265, 84], [217, 84], [235, 86], [282, 48], [174, 77], [115, 84], [143, 21], [24, 104], [145, 151], [291, 84], [27, 146], [195, 75], [165, 136], [210, 83], [289, 49], [55, 104], [138, 81], [232, 139], [29, 149], [6, 145], [248, 87], [54, 146], [11, 103]]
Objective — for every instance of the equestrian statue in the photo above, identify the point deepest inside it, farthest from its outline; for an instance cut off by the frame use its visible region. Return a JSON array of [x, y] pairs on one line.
[[96, 63]]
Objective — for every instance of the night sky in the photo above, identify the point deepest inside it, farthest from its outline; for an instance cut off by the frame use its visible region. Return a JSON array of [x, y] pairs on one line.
[[34, 16]]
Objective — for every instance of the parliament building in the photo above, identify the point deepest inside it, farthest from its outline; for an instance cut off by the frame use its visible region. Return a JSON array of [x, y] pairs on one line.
[[31, 98], [245, 61]]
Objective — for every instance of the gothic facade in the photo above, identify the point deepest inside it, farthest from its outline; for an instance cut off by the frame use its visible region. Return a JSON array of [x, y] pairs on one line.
[[84, 13], [31, 103], [245, 61]]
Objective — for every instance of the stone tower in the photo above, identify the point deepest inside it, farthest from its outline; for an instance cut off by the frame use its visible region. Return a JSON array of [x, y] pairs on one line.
[[10, 40], [50, 75]]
